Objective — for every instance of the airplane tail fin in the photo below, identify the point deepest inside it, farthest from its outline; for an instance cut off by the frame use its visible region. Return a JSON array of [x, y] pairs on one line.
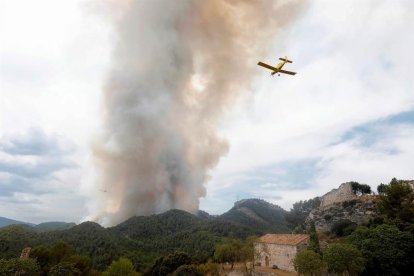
[[285, 59]]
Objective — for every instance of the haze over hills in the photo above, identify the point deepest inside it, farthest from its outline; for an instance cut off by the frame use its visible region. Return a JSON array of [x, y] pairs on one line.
[[53, 225], [256, 214], [44, 226], [6, 221]]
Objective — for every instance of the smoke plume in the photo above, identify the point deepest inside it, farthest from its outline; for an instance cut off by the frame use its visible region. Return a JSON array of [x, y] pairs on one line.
[[177, 66]]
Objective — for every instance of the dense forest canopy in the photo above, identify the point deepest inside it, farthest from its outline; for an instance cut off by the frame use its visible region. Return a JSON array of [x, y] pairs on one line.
[[177, 242]]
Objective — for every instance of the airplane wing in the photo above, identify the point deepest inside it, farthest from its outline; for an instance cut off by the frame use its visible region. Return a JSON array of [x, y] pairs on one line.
[[287, 72], [266, 66]]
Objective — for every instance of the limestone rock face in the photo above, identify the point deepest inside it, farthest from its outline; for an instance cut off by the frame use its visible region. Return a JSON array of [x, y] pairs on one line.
[[342, 203], [339, 204], [358, 210]]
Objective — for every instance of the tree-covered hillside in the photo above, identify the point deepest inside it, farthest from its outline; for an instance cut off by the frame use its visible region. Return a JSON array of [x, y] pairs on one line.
[[179, 241], [6, 222], [259, 215], [53, 225], [142, 239]]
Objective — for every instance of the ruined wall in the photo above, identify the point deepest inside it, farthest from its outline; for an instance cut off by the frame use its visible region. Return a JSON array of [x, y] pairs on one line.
[[343, 193]]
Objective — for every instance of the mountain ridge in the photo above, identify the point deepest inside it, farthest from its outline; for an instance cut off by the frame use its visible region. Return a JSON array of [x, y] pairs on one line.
[[43, 226], [7, 221]]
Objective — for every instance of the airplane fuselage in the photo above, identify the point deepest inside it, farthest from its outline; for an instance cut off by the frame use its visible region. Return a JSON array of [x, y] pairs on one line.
[[278, 67]]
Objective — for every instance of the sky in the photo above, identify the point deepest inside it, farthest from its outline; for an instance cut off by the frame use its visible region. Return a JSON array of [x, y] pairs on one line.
[[348, 115]]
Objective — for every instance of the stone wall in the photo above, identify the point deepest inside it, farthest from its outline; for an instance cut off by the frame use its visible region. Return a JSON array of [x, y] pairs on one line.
[[343, 193], [280, 255]]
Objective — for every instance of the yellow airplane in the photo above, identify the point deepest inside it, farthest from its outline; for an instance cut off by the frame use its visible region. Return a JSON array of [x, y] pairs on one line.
[[278, 68]]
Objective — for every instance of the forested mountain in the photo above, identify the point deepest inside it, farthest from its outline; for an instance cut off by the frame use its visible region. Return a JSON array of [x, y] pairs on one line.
[[142, 239], [175, 238], [145, 238], [259, 215], [45, 226], [53, 225], [6, 221]]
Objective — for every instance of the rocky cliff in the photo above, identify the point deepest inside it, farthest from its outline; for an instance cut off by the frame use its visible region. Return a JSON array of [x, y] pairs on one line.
[[358, 210], [342, 204]]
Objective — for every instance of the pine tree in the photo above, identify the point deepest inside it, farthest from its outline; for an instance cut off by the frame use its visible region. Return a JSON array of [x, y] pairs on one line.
[[314, 240]]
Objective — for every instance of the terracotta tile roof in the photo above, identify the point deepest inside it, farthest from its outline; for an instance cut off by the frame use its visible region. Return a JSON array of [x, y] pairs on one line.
[[287, 239]]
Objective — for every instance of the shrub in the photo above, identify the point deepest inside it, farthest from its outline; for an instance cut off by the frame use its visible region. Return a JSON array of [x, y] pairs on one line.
[[344, 258], [343, 227], [188, 270], [307, 262], [348, 203], [123, 266]]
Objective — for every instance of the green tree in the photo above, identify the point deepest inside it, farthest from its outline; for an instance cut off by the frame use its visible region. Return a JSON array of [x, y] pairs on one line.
[[229, 251], [247, 253], [64, 269], [343, 258], [18, 266], [388, 250], [300, 211], [209, 268], [396, 203], [83, 263], [188, 270], [122, 266], [307, 262], [167, 265], [48, 257], [314, 240], [360, 189], [247, 249], [43, 257], [60, 252], [343, 227]]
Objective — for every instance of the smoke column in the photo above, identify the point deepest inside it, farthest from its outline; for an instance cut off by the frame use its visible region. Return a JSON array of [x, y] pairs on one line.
[[177, 66]]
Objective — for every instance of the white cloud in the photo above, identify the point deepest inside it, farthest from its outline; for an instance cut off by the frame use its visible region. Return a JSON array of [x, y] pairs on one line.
[[354, 64], [39, 177], [53, 56], [52, 61]]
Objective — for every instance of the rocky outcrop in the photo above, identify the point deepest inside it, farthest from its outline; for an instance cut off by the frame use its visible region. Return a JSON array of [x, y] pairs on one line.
[[343, 203], [358, 210], [340, 204]]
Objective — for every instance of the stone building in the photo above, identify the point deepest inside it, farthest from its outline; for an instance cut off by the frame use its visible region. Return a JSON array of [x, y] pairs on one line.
[[279, 250]]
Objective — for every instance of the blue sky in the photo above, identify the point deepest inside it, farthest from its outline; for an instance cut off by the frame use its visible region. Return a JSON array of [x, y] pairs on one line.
[[348, 115]]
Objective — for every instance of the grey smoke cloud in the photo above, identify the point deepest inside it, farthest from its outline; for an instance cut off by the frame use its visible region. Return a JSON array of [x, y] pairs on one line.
[[177, 66]]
